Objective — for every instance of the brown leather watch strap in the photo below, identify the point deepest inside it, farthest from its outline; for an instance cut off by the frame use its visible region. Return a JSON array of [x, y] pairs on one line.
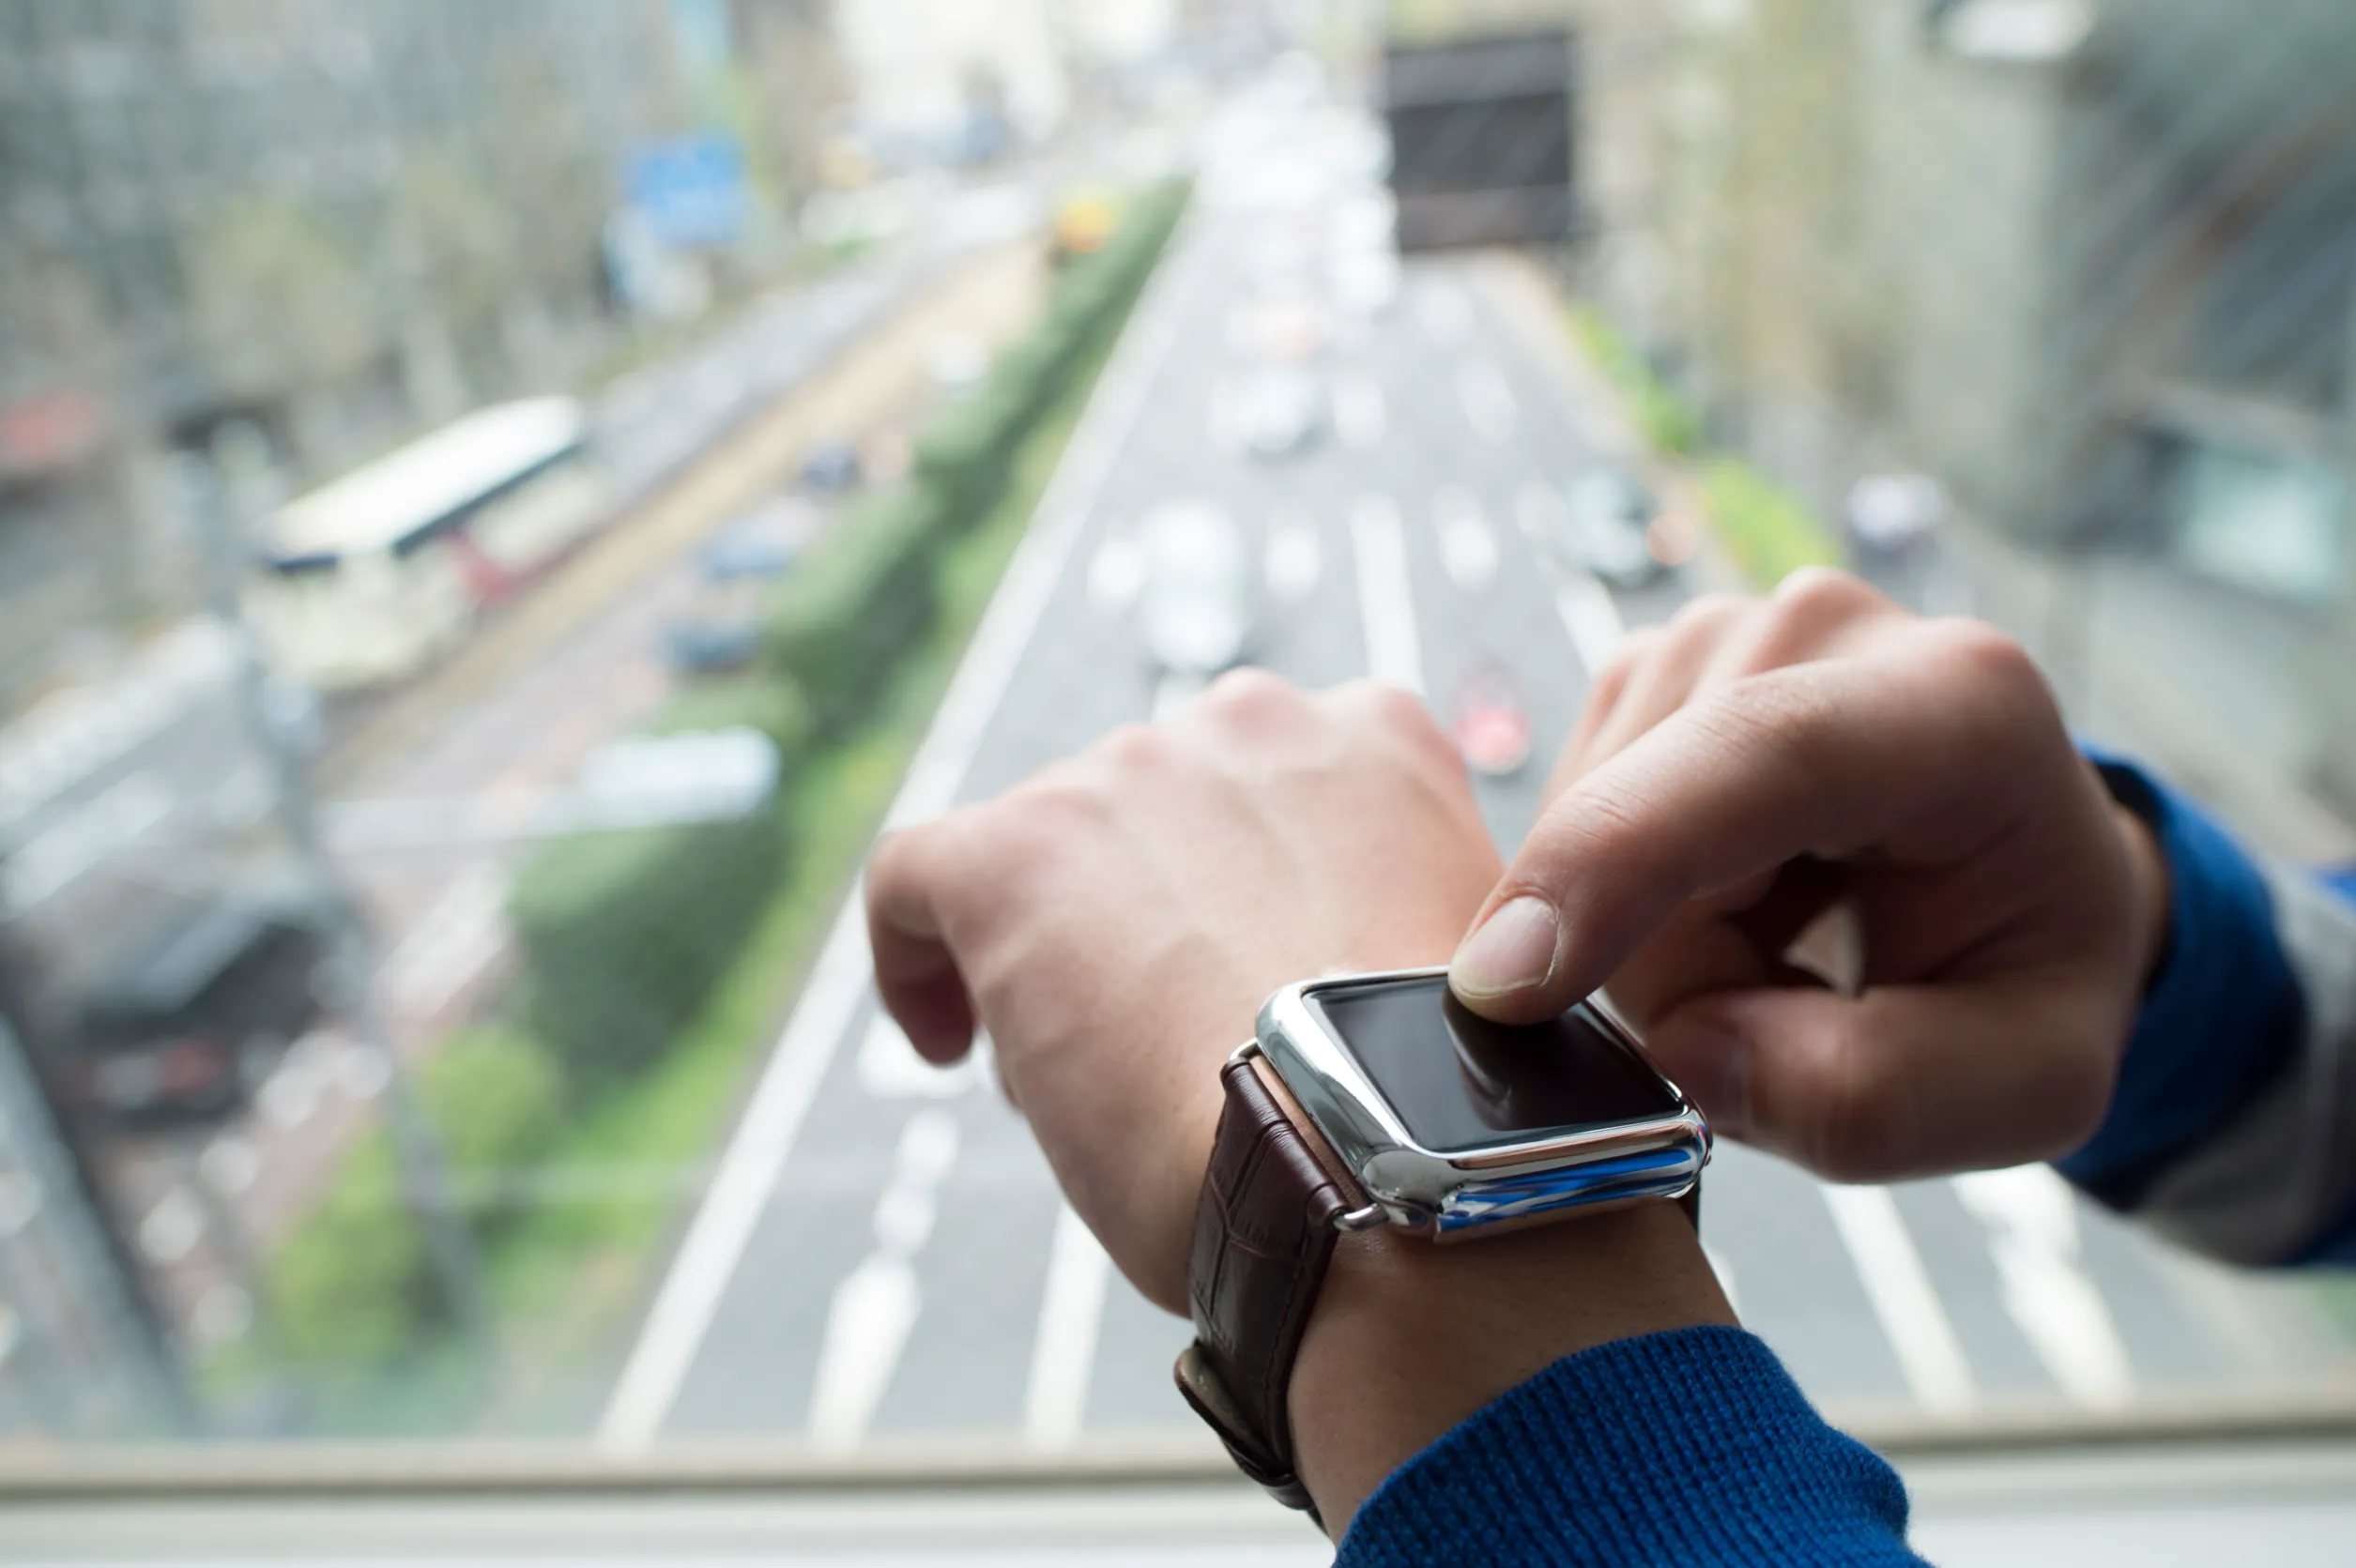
[[1264, 1234]]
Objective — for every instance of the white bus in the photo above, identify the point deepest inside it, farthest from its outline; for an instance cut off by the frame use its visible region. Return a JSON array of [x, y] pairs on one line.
[[371, 578]]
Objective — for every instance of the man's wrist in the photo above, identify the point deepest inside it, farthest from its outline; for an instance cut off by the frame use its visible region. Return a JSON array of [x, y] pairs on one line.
[[1410, 1338]]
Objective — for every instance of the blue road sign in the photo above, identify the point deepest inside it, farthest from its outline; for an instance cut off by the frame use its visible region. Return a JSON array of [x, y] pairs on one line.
[[690, 190]]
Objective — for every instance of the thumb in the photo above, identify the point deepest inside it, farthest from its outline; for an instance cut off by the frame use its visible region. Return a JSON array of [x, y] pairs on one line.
[[1900, 1081]]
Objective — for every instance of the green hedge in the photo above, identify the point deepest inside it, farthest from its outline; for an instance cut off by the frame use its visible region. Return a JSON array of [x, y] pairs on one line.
[[854, 604], [623, 932], [865, 595], [750, 700], [1770, 532], [1666, 420], [349, 1288]]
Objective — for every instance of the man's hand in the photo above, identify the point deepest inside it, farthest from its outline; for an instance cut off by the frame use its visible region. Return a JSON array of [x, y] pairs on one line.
[[1116, 921], [1752, 763]]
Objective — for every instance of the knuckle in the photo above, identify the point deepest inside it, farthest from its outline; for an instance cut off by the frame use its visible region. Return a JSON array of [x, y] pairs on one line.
[[1978, 652], [1706, 615], [1859, 1131], [1251, 696], [1398, 715], [1636, 649], [1995, 686], [1822, 596], [1045, 814], [1137, 748]]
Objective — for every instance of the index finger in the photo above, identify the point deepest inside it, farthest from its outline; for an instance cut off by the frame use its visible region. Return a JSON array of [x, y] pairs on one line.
[[916, 969], [1896, 755]]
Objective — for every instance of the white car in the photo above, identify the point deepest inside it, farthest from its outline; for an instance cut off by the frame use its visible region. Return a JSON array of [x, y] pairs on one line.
[[1195, 596], [1278, 412], [1607, 528]]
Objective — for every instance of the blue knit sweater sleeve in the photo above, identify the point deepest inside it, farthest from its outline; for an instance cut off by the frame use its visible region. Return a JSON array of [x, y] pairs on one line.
[[1692, 1448], [2229, 1130]]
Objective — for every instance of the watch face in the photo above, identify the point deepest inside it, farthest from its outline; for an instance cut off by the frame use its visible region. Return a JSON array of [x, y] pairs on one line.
[[1459, 1082]]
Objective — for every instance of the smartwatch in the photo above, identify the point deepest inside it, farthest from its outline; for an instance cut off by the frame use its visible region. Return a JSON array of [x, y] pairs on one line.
[[1406, 1110]]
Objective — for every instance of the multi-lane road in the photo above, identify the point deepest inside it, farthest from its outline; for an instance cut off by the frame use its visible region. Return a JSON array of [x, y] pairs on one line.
[[882, 1252]]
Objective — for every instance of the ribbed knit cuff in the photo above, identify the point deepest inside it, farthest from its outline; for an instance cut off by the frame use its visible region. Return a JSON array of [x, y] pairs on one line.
[[1692, 1448], [2221, 1018]]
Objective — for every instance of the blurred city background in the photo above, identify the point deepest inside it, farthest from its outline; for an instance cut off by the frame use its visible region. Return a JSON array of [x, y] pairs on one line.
[[501, 499]]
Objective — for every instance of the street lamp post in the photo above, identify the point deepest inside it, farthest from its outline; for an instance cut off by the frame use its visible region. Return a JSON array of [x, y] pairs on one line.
[[355, 997]]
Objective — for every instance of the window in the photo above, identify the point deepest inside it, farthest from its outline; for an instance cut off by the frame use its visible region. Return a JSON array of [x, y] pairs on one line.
[[458, 1029]]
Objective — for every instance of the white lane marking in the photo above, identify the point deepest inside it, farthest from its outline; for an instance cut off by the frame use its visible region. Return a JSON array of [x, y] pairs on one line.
[[1900, 1290], [748, 1171], [1592, 618], [889, 1069], [1490, 406], [290, 1096], [1589, 613], [1221, 425], [172, 1227], [1442, 307], [2032, 1222], [363, 1070], [1064, 1354], [230, 1163], [456, 940], [1540, 511], [1387, 602], [1468, 546], [1295, 558], [1359, 415], [1115, 573], [876, 1306]]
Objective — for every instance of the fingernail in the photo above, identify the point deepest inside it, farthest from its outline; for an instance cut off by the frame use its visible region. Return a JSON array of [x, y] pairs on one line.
[[1713, 1066], [1512, 951]]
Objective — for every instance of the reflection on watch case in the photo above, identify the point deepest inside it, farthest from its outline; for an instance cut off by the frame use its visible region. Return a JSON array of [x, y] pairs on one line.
[[1454, 1125]]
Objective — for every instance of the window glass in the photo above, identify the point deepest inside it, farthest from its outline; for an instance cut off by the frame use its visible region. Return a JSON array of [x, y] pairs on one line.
[[645, 448]]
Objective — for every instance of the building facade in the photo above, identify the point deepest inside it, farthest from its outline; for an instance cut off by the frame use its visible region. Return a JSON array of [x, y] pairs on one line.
[[2090, 262], [324, 220]]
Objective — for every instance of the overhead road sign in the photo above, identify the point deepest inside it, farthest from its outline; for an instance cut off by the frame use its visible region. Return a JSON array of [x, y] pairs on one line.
[[1483, 139]]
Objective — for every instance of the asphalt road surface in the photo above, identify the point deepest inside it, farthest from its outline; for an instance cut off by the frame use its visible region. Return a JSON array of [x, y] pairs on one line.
[[882, 1251]]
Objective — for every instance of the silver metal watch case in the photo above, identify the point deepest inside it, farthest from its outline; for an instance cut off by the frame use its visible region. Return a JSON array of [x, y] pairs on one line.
[[1456, 1197]]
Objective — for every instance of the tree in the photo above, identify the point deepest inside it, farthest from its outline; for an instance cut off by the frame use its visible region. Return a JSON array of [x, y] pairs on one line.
[[277, 304]]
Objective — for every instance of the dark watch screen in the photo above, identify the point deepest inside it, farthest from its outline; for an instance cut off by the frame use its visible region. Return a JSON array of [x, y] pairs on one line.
[[1461, 1082]]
